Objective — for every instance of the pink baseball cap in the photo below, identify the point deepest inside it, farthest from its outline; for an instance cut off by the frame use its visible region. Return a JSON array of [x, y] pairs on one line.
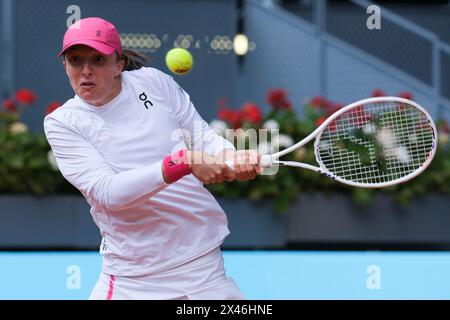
[[94, 32]]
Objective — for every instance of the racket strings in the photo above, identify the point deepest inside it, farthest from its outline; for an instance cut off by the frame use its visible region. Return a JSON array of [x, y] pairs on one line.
[[376, 143]]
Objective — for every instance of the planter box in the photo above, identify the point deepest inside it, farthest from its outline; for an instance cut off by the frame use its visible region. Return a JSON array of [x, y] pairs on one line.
[[253, 226], [317, 219], [313, 221], [56, 222], [64, 222]]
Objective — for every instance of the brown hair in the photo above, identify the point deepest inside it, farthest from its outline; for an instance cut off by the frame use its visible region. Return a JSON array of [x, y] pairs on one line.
[[134, 60]]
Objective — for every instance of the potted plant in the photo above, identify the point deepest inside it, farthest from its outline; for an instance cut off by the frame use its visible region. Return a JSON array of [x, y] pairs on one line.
[[39, 208]]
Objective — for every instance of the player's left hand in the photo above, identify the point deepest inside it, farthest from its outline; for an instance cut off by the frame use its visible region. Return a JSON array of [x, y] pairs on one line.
[[246, 164]]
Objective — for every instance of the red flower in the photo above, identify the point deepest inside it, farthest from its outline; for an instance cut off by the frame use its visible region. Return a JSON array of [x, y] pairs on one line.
[[406, 95], [10, 105], [358, 116], [331, 126], [277, 98], [25, 96], [233, 117], [327, 106], [378, 93], [357, 110], [251, 113], [331, 108], [52, 107], [444, 127], [318, 102], [320, 120], [224, 113]]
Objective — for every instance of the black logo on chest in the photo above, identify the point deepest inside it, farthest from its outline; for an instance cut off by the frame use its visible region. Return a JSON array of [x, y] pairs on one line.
[[147, 102]]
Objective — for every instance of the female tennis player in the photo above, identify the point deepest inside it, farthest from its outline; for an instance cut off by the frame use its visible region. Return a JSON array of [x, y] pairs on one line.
[[132, 142]]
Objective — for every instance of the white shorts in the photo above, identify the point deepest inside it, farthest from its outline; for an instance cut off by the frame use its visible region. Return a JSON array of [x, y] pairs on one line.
[[200, 279]]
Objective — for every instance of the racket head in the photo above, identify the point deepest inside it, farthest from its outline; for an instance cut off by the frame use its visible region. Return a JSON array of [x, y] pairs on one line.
[[376, 142]]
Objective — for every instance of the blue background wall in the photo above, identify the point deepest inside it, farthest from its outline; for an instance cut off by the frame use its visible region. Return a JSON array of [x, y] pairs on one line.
[[288, 56], [287, 52], [40, 25]]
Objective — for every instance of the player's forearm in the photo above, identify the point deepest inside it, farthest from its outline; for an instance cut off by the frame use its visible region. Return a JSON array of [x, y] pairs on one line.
[[132, 187]]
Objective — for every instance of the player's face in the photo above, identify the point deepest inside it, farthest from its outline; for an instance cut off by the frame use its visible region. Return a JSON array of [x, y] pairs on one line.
[[95, 77]]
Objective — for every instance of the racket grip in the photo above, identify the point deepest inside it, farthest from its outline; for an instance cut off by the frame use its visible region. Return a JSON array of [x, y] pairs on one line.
[[230, 163], [266, 162]]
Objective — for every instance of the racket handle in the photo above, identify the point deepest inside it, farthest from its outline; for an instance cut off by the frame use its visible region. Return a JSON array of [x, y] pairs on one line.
[[266, 162], [230, 163]]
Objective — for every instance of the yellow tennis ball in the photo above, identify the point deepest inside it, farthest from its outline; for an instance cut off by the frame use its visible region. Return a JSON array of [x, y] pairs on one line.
[[179, 61]]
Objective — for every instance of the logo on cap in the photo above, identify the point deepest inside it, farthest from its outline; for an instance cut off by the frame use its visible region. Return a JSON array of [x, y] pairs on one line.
[[99, 33]]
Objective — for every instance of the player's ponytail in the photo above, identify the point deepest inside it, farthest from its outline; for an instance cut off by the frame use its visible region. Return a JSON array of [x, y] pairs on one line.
[[134, 60]]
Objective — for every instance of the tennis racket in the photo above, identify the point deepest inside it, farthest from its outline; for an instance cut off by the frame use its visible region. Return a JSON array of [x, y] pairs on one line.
[[371, 143]]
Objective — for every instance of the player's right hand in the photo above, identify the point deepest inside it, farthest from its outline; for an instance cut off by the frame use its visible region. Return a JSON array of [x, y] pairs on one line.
[[209, 169]]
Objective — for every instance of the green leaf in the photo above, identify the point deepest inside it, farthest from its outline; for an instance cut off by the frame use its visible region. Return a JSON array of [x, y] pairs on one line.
[[362, 196]]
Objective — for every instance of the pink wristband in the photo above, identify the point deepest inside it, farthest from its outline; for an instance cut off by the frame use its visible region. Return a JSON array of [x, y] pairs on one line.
[[175, 166]]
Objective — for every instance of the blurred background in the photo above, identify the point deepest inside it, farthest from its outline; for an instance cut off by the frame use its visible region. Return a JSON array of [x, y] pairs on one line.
[[281, 64]]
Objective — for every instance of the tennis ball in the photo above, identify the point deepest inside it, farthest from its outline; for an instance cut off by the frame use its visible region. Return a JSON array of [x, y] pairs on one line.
[[179, 61]]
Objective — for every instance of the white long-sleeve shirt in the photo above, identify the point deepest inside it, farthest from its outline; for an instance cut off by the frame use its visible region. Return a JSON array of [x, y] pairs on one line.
[[113, 153]]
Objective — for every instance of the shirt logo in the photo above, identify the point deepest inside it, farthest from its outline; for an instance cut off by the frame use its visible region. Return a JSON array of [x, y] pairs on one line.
[[147, 103]]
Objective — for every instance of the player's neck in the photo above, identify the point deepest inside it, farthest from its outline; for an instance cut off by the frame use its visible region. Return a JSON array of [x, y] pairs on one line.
[[116, 89]]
